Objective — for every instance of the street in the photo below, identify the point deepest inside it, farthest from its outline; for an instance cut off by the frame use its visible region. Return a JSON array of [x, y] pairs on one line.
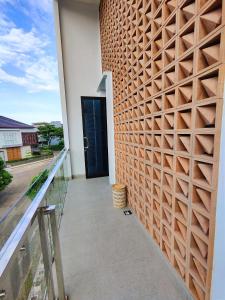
[[22, 176]]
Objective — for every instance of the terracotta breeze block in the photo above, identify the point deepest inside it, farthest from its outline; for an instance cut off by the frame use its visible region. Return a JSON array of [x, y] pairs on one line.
[[167, 60]]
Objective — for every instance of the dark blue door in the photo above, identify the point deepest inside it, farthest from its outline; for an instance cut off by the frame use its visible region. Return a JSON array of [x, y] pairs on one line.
[[95, 136]]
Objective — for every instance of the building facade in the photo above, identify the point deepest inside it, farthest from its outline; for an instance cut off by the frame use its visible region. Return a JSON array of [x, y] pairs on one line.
[[16, 139], [160, 66]]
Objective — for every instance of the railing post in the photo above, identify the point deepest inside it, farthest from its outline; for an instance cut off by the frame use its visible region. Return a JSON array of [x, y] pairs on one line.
[[46, 255], [51, 211], [26, 226]]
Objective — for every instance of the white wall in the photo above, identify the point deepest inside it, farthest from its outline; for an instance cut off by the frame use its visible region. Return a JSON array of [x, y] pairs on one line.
[[106, 87], [110, 124], [80, 38], [29, 130], [10, 138], [218, 270], [26, 152]]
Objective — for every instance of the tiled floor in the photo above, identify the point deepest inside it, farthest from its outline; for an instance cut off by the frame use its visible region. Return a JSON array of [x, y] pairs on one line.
[[110, 256]]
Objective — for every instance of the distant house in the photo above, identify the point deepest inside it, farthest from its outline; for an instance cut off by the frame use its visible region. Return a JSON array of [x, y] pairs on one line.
[[41, 140], [38, 124], [57, 124], [17, 139]]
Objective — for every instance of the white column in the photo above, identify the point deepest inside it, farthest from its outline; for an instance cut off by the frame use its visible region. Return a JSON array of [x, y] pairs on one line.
[[62, 86], [106, 86], [218, 269]]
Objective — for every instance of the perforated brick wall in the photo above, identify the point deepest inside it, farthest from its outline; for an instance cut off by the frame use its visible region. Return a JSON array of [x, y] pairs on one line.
[[168, 75]]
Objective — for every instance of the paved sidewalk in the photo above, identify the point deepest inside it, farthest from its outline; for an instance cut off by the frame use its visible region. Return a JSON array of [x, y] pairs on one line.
[[22, 176]]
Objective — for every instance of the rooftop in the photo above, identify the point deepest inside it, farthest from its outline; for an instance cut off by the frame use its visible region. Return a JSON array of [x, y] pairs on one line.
[[13, 124]]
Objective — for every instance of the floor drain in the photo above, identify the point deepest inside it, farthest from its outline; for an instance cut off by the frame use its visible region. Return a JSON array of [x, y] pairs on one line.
[[127, 212]]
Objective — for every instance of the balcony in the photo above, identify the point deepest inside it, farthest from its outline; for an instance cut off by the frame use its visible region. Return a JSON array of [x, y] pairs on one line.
[[107, 255], [104, 254], [159, 68]]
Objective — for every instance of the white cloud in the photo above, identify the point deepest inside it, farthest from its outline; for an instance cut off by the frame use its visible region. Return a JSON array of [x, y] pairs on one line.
[[44, 5], [41, 12], [24, 55], [23, 42], [38, 76], [5, 23], [42, 74], [4, 76]]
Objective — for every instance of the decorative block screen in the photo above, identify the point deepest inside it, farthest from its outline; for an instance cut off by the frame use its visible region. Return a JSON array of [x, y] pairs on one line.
[[167, 59]]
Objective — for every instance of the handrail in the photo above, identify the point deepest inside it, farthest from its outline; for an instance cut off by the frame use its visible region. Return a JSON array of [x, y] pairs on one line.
[[2, 219], [13, 242]]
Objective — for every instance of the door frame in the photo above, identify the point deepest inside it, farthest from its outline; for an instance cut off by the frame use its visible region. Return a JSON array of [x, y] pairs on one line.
[[94, 98], [105, 88]]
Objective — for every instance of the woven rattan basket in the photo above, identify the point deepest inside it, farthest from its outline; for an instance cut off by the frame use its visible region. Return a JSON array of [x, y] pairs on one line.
[[119, 195]]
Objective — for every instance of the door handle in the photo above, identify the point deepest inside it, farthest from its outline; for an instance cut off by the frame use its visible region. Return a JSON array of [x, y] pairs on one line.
[[85, 143]]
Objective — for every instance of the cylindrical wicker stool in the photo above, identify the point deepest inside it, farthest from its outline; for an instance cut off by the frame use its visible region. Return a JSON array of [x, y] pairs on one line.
[[119, 195]]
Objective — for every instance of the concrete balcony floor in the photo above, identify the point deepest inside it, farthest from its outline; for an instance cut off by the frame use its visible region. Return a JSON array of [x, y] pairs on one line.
[[109, 256]]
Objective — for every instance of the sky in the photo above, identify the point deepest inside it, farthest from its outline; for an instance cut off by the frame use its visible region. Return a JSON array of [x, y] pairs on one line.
[[29, 89]]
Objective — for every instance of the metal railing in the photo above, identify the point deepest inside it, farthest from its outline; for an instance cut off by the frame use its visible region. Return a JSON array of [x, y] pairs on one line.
[[31, 254]]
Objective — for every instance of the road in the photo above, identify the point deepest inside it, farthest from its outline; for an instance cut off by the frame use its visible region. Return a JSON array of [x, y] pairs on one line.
[[22, 176]]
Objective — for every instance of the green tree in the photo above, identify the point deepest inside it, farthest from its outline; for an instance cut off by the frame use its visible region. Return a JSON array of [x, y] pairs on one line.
[[48, 132], [5, 177], [59, 132]]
